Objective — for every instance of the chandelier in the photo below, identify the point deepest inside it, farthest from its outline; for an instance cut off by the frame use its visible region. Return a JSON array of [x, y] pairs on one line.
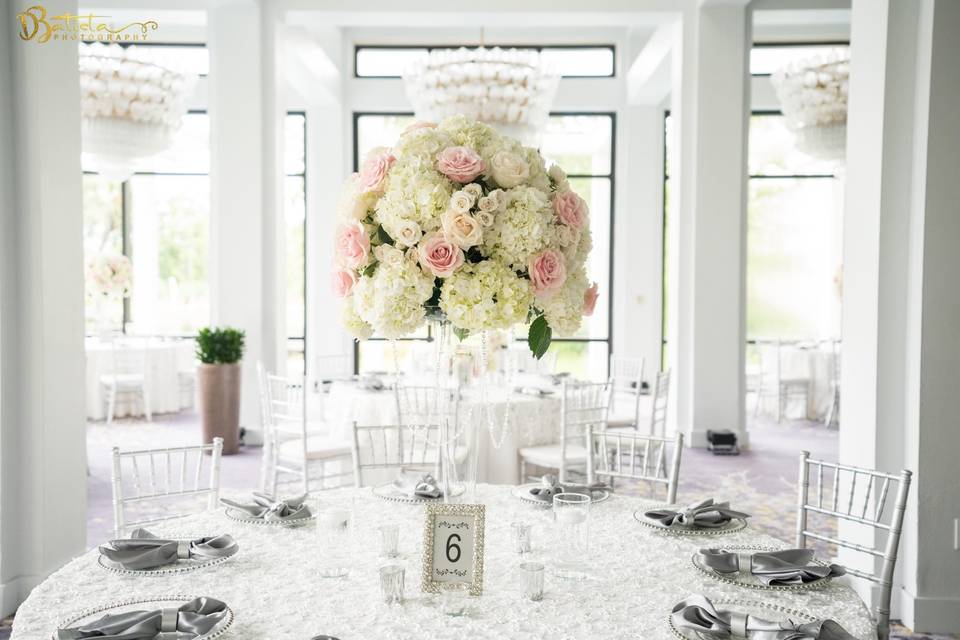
[[130, 107], [509, 89], [813, 97]]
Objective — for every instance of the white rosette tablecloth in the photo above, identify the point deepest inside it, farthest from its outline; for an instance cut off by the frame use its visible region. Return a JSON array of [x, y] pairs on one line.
[[273, 587]]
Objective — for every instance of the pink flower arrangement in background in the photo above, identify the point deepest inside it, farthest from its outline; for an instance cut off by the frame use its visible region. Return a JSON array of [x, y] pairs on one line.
[[109, 276], [590, 299], [440, 256], [570, 209], [352, 245], [547, 272], [460, 164], [375, 169]]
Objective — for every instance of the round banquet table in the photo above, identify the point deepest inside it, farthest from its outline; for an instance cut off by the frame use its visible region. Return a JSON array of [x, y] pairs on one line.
[[274, 590]]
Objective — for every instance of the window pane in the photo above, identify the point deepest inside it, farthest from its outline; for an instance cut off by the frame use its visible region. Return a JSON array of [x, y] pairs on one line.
[[773, 150], [579, 61], [766, 60], [388, 355], [294, 144], [169, 236], [295, 215], [187, 59], [102, 235], [596, 191], [379, 131], [581, 145], [793, 255], [377, 62]]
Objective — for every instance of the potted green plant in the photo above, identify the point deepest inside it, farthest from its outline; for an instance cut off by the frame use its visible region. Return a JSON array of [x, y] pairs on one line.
[[220, 351]]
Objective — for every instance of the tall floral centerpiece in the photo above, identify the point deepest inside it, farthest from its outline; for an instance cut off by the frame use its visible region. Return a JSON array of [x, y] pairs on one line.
[[109, 277], [459, 224]]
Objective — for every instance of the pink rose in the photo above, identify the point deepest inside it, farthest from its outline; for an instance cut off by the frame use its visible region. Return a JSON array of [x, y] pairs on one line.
[[547, 272], [439, 256], [417, 126], [352, 245], [343, 281], [460, 164], [375, 169], [570, 209], [590, 299]]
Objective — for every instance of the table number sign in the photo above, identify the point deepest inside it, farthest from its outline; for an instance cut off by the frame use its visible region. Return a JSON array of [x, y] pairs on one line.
[[453, 547]]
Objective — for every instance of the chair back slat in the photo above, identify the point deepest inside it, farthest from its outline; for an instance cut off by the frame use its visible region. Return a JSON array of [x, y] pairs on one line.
[[160, 493], [848, 476], [394, 447], [584, 406], [606, 453], [661, 402]]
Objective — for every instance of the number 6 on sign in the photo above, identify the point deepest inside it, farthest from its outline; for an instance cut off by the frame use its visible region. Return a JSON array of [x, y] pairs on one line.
[[453, 546]]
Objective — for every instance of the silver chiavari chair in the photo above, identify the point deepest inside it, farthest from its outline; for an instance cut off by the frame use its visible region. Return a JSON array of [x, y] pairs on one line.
[[626, 388], [394, 447], [619, 454], [661, 401], [427, 405], [584, 405], [164, 477], [869, 508]]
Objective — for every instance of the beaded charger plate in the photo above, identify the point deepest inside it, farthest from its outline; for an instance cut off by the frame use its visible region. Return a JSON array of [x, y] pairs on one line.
[[747, 579], [389, 491], [183, 565], [767, 611], [239, 515], [736, 524], [140, 604], [523, 493]]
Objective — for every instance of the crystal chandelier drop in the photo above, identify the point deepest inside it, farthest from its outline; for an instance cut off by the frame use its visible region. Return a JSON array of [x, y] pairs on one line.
[[813, 97], [509, 89], [130, 107]]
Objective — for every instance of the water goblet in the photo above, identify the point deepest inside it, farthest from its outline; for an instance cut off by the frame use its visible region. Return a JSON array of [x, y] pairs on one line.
[[335, 533], [571, 513]]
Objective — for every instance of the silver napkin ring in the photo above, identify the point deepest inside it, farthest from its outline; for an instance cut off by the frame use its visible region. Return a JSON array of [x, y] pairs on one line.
[[183, 549], [168, 619], [738, 625], [745, 562]]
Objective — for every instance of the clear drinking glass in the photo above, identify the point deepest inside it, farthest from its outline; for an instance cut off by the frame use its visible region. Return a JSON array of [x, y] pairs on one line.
[[454, 599], [335, 534], [391, 583], [389, 540], [531, 573], [521, 537], [571, 513]]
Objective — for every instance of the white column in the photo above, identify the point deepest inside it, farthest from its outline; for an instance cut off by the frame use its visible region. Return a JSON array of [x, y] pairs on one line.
[[901, 306], [711, 107], [42, 425], [246, 286]]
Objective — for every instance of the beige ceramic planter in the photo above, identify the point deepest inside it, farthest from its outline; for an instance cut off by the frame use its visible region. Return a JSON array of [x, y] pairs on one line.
[[220, 403]]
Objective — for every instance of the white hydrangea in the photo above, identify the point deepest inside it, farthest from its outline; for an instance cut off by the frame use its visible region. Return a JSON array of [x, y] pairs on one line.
[[415, 194], [525, 226], [564, 309], [485, 295], [480, 137], [392, 299], [353, 323]]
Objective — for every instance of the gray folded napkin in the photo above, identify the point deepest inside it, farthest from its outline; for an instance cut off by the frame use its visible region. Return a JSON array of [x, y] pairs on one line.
[[705, 514], [143, 550], [698, 614], [190, 620], [550, 486], [271, 509], [789, 566], [418, 484]]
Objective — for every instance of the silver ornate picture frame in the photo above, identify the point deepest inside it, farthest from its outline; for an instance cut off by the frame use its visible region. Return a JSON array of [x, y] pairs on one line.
[[462, 527]]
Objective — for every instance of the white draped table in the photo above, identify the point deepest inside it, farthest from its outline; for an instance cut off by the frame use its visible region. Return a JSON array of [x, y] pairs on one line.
[[530, 420], [273, 587]]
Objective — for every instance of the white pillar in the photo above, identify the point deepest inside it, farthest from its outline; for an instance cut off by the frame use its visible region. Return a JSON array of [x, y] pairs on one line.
[[246, 285], [901, 306], [42, 426], [711, 107]]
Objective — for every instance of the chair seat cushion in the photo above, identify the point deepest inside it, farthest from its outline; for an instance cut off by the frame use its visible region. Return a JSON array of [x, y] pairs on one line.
[[123, 380], [548, 455], [318, 448]]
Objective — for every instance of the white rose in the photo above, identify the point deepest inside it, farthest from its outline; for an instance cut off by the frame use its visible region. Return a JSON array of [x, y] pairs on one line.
[[485, 218], [462, 229], [487, 204], [461, 202], [559, 177], [405, 232], [567, 235], [509, 169], [388, 255], [474, 190]]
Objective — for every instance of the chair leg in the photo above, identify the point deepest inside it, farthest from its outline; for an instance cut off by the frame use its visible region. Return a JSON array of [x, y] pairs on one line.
[[111, 403], [780, 398], [306, 476], [146, 404], [523, 471]]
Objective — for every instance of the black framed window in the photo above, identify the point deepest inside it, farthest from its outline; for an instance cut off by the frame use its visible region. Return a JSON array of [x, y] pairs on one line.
[[295, 217], [571, 61], [767, 57], [583, 143]]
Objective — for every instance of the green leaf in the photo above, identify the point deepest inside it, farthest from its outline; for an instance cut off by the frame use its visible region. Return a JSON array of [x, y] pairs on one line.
[[383, 236], [462, 334], [369, 270], [539, 337]]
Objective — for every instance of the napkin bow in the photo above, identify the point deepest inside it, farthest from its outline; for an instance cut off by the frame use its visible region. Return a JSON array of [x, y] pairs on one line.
[[190, 620], [270, 509], [418, 484], [789, 566], [550, 487], [698, 614], [143, 550], [706, 513]]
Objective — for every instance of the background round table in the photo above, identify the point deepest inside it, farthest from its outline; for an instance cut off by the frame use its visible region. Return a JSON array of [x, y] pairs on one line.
[[273, 587]]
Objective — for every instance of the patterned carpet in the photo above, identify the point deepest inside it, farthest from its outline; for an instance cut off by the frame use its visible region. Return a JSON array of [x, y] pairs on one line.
[[761, 481]]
